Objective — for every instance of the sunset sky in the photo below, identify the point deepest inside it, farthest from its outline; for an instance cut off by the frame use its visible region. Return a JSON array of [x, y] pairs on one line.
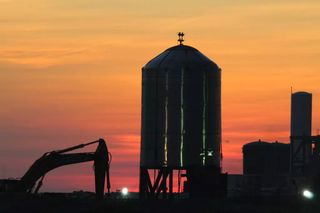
[[70, 73]]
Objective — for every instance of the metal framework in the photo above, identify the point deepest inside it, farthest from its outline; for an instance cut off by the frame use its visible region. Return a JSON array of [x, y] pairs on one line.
[[161, 185], [201, 181], [298, 165]]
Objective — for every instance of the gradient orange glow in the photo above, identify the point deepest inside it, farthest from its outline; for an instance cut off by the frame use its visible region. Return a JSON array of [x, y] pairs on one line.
[[71, 73]]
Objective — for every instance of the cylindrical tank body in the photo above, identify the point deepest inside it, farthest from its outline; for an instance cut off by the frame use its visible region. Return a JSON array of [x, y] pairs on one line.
[[301, 121], [263, 158], [181, 110], [301, 112]]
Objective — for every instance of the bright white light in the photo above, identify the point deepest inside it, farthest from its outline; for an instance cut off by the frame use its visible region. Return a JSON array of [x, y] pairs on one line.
[[307, 194], [124, 191]]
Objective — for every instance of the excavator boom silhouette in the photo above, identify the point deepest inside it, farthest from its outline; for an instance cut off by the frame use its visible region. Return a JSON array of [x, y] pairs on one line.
[[31, 181]]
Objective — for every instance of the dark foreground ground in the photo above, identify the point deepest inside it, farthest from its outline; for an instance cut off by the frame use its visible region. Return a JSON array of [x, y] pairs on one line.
[[62, 204]]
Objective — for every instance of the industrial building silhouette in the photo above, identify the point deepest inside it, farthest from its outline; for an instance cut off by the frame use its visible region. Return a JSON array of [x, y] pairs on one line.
[[181, 123], [265, 158], [279, 168], [181, 135]]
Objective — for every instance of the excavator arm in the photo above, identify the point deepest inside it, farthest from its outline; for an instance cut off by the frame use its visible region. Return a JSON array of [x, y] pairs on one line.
[[55, 159]]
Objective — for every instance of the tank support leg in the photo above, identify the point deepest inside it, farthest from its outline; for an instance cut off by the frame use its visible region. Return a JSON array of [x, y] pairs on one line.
[[158, 188]]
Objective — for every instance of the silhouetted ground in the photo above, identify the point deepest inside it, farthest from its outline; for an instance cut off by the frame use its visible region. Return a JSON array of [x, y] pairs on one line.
[[63, 203]]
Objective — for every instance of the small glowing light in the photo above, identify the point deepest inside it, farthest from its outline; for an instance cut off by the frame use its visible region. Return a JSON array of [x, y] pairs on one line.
[[308, 194], [124, 191], [210, 153]]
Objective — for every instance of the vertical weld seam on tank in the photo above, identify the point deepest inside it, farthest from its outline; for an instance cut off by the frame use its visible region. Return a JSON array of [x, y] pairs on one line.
[[204, 119], [182, 117], [157, 111], [207, 145], [166, 123], [156, 121]]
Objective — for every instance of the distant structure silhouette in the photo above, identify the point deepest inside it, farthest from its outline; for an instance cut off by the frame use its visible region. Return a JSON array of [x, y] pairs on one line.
[[301, 121], [181, 123], [265, 167], [284, 169], [265, 158]]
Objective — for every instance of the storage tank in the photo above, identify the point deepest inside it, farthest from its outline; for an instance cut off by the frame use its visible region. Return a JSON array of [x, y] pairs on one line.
[[265, 158], [181, 110], [301, 112], [265, 168], [301, 121]]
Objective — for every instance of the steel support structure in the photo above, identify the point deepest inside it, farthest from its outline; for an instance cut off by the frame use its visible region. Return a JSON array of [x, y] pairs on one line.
[[298, 165], [161, 186], [203, 181]]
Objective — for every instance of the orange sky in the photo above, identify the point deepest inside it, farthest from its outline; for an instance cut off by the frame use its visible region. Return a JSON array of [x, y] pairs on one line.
[[71, 73]]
